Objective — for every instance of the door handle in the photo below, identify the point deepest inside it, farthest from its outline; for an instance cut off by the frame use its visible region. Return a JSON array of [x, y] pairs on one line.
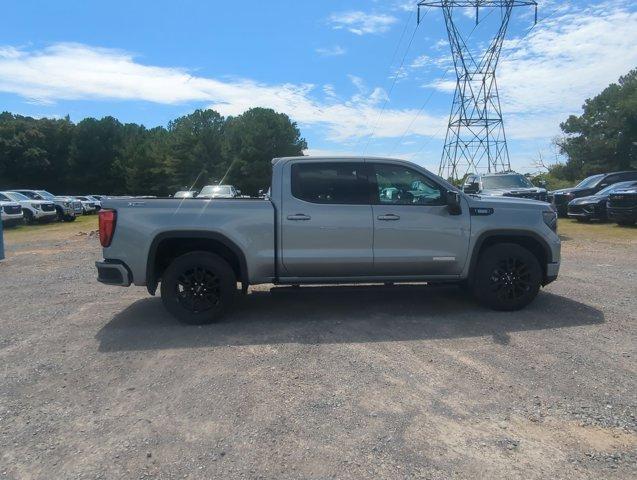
[[298, 217], [390, 217]]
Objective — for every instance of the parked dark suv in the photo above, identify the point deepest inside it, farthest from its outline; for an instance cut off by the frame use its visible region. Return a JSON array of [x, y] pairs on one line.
[[622, 206], [593, 207], [588, 186], [508, 184]]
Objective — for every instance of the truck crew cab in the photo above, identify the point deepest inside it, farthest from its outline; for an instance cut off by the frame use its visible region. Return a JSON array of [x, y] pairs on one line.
[[330, 220]]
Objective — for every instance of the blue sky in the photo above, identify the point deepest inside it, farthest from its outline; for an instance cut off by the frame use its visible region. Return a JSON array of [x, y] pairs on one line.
[[333, 66]]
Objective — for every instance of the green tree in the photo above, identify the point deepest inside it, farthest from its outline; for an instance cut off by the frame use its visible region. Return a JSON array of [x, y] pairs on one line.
[[252, 140], [195, 148], [604, 137]]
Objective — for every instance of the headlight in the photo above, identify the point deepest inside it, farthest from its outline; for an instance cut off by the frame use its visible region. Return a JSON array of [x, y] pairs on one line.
[[550, 219], [67, 204], [37, 206]]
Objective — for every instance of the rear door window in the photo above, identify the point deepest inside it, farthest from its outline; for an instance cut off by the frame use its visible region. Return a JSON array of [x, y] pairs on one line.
[[343, 183]]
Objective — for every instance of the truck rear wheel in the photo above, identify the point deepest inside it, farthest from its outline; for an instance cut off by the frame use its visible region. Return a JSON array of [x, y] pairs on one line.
[[507, 277], [198, 287]]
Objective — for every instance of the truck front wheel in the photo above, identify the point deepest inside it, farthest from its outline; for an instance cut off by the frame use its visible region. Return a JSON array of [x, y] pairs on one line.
[[507, 277], [198, 287]]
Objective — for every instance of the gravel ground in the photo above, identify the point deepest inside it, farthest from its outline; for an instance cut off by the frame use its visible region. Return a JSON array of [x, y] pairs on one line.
[[318, 382]]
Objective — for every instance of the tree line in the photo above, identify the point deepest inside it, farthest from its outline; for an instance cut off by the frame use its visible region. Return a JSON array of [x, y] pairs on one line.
[[602, 139], [105, 156]]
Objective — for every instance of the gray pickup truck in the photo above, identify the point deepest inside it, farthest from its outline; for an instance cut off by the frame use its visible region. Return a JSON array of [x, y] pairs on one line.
[[330, 220]]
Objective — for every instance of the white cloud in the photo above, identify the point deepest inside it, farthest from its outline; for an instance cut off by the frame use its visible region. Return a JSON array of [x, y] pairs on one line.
[[361, 23], [421, 61], [81, 72], [334, 51], [566, 59]]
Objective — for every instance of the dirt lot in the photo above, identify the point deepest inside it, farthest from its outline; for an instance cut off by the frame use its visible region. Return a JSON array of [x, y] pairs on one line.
[[354, 382]]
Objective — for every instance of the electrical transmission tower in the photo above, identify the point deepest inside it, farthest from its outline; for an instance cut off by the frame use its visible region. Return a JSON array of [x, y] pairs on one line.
[[475, 139]]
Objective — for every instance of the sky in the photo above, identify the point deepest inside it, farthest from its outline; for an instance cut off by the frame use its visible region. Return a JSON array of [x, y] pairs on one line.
[[360, 77]]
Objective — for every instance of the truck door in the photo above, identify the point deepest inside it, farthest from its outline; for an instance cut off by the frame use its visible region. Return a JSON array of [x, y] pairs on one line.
[[326, 219], [414, 233]]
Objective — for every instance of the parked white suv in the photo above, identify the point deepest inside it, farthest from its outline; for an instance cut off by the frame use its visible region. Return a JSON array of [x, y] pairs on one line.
[[10, 211], [89, 205], [33, 210]]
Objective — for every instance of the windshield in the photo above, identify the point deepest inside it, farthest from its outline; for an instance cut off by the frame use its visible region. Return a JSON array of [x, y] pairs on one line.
[[505, 181], [45, 194], [217, 189], [616, 186], [590, 181], [184, 194], [4, 198], [16, 197]]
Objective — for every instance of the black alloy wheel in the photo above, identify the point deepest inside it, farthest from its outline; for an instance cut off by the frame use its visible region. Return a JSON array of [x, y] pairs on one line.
[[507, 277], [198, 287]]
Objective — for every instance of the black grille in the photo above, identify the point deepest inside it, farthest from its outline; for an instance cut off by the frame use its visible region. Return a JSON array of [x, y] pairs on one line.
[[48, 207], [531, 195], [575, 209], [12, 209], [561, 199]]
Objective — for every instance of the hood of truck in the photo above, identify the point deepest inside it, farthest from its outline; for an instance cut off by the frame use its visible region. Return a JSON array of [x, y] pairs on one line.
[[486, 201], [511, 191]]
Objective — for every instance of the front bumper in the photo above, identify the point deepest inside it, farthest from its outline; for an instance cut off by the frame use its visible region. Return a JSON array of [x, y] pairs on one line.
[[10, 219], [587, 211], [42, 215], [112, 272], [626, 213]]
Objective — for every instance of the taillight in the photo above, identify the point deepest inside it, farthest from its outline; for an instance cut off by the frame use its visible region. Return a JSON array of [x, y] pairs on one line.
[[107, 219]]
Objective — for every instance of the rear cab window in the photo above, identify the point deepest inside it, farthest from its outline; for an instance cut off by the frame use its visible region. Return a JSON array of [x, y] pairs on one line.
[[344, 183]]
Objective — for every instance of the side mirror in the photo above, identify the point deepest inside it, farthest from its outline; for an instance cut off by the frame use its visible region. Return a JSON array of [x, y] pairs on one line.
[[453, 202], [471, 187]]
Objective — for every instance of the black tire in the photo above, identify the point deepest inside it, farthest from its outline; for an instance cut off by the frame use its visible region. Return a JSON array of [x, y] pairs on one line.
[[28, 217], [198, 288], [508, 277], [69, 218]]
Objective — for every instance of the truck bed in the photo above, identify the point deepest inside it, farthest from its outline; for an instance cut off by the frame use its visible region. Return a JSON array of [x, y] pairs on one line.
[[142, 223]]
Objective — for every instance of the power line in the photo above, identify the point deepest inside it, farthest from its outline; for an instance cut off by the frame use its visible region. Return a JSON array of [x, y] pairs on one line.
[[391, 89], [444, 75], [517, 44]]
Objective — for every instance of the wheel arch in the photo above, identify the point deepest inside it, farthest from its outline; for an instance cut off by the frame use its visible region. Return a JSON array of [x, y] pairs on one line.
[[527, 239], [167, 246]]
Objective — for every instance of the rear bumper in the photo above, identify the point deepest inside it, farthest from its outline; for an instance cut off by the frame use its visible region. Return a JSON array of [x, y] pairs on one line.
[[552, 270], [110, 272]]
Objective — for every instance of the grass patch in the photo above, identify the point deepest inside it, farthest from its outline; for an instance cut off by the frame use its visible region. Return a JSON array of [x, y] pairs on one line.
[[570, 229], [49, 231]]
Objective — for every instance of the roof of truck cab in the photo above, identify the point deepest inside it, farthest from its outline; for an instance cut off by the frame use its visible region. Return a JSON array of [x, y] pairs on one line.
[[343, 158]]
